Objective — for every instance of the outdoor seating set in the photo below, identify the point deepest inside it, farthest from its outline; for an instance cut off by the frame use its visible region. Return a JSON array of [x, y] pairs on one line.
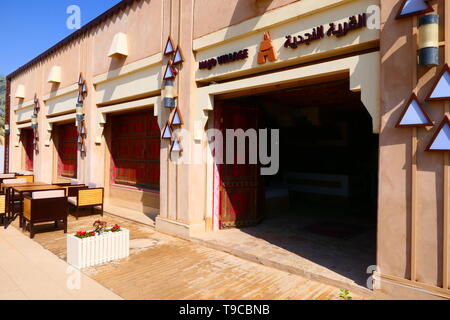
[[38, 202]]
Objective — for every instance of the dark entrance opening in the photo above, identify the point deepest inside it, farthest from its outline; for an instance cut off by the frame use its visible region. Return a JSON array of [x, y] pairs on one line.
[[322, 202]]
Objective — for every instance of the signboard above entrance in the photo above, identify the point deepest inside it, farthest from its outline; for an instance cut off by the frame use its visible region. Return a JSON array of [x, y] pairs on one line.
[[318, 33], [223, 59], [344, 29]]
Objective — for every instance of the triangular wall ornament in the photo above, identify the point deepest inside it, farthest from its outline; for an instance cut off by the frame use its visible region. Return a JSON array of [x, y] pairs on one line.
[[441, 89], [441, 138], [414, 8], [169, 49], [176, 146], [80, 98], [167, 132], [84, 88], [414, 115], [176, 119], [179, 58], [169, 74]]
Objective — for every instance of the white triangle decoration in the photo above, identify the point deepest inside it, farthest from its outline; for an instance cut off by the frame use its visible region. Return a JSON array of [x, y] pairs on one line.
[[176, 119], [414, 115], [442, 140], [167, 134], [178, 58], [176, 146], [169, 73], [442, 89], [413, 6], [169, 47]]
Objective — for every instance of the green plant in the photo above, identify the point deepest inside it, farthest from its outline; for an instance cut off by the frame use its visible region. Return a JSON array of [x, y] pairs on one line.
[[345, 295]]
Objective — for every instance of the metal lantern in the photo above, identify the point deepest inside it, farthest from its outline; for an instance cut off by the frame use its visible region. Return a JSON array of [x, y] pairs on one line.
[[429, 40], [80, 112], [169, 100], [34, 123]]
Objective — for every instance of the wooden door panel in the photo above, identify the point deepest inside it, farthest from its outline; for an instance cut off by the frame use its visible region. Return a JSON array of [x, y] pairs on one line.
[[240, 183]]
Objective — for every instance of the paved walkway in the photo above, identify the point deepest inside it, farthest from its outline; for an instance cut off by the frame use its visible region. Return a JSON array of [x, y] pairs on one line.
[[162, 267], [282, 242], [30, 272]]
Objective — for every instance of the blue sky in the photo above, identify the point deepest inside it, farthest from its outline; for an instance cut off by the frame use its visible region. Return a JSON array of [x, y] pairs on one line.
[[29, 27]]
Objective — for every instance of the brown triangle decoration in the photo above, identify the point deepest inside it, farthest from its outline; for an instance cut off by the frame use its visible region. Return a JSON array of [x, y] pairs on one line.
[[441, 88], [167, 132], [414, 115], [170, 72], [176, 146], [169, 49], [441, 138], [411, 8], [179, 58], [176, 119]]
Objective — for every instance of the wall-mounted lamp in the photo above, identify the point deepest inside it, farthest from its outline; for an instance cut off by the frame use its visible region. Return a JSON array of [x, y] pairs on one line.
[[34, 122], [80, 112], [7, 129], [429, 40], [169, 99]]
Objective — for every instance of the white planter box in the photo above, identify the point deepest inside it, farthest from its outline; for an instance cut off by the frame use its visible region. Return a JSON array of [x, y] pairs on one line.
[[88, 252]]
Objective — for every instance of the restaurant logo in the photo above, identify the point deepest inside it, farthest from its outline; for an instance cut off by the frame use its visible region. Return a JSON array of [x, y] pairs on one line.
[[333, 30], [224, 59], [266, 50]]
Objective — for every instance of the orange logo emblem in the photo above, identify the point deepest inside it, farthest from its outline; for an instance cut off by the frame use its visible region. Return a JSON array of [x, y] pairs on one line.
[[266, 50]]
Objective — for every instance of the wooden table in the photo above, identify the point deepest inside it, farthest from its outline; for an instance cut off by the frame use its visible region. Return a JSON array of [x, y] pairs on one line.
[[25, 188], [5, 186]]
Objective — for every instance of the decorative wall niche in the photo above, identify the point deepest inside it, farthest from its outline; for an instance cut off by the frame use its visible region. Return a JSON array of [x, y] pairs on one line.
[[55, 75], [119, 46], [20, 92]]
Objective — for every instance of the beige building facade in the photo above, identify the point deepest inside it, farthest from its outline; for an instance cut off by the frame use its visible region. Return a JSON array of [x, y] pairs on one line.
[[233, 51]]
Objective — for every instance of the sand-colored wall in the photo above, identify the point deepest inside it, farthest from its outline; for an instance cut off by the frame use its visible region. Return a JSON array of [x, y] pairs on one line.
[[142, 22], [183, 192], [401, 252], [213, 15]]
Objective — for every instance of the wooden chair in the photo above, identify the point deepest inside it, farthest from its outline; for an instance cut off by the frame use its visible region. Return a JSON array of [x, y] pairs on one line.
[[5, 176], [45, 206], [3, 209], [29, 178], [87, 198], [72, 190]]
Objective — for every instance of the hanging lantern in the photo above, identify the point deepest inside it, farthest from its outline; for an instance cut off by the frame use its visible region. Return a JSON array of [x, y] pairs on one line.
[[429, 40], [34, 123]]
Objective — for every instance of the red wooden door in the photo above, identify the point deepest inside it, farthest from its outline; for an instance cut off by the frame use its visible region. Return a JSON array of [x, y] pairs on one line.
[[240, 184], [135, 150], [68, 151], [28, 136]]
